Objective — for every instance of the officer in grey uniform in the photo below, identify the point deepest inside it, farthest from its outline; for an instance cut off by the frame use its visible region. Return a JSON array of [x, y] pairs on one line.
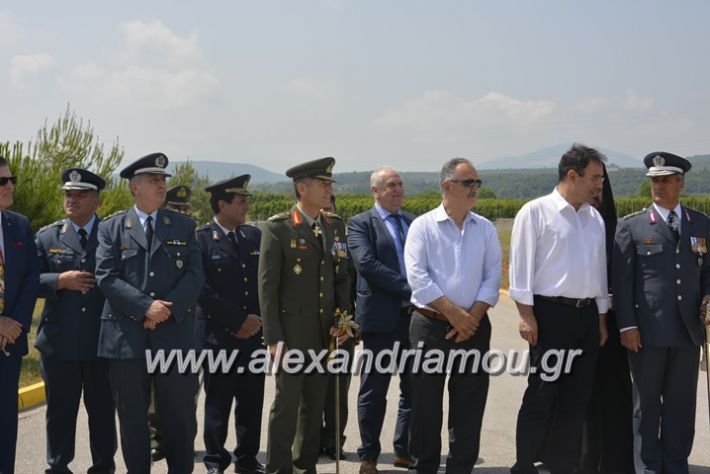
[[68, 332], [149, 268], [177, 199], [303, 279], [229, 309], [661, 277]]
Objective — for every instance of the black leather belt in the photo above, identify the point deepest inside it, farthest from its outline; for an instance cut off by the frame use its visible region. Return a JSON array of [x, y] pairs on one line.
[[576, 302]]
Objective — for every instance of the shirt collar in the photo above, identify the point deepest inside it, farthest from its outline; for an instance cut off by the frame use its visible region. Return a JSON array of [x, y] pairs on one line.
[[224, 229], [664, 212], [562, 203], [441, 215], [308, 218], [143, 216], [89, 225], [384, 213]]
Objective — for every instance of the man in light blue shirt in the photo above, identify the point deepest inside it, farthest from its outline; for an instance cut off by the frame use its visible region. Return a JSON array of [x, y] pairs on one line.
[[453, 263]]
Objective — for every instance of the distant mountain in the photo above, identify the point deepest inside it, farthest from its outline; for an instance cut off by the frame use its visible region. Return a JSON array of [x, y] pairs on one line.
[[217, 170], [550, 157]]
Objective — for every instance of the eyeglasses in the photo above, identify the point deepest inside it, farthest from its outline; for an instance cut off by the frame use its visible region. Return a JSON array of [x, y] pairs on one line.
[[8, 179], [468, 183]]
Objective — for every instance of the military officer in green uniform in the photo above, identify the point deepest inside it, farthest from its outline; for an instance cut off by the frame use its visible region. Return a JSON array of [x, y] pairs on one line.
[[303, 280]]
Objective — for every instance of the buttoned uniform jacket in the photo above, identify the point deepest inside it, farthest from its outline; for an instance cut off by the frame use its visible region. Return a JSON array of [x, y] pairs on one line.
[[21, 275], [69, 327], [131, 279], [300, 285], [230, 291], [658, 285], [381, 287]]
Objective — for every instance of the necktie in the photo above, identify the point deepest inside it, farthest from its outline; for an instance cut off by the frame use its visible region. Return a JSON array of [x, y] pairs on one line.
[[318, 232], [396, 219], [233, 239], [82, 238], [149, 230], [674, 225]]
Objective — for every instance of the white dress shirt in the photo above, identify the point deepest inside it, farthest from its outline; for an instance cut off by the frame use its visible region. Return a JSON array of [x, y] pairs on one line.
[[441, 260], [556, 250]]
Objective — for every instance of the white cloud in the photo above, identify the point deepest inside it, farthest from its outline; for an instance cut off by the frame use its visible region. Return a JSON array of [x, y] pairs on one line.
[[144, 88], [155, 40], [25, 68], [438, 116]]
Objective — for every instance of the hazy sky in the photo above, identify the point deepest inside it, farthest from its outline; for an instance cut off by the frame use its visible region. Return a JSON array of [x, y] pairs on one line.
[[407, 83]]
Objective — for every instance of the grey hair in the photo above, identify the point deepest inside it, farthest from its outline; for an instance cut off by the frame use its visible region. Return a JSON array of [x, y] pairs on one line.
[[376, 176], [449, 169], [306, 181]]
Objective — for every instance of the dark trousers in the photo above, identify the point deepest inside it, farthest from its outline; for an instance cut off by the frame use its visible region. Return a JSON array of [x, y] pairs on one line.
[[552, 412], [468, 391], [64, 381], [175, 395], [9, 380], [608, 436], [247, 391], [665, 381], [372, 398], [327, 435], [156, 439]]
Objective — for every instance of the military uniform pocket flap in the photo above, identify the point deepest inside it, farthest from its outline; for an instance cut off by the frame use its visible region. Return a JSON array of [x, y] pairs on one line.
[[649, 249], [128, 253]]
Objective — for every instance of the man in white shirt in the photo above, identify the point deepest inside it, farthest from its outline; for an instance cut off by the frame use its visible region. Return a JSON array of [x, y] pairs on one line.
[[453, 264], [558, 280]]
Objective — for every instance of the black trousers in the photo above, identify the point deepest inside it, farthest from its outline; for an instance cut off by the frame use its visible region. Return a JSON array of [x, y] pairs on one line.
[[665, 381], [468, 392], [9, 380], [246, 390], [552, 412], [175, 396], [608, 437], [64, 382]]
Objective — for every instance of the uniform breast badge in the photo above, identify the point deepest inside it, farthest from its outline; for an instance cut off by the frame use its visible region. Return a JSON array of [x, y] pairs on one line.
[[297, 269]]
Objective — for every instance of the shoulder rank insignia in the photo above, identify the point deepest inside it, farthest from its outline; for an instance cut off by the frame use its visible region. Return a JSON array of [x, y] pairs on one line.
[[278, 217], [628, 216], [215, 235], [65, 227], [166, 220], [128, 223], [117, 213]]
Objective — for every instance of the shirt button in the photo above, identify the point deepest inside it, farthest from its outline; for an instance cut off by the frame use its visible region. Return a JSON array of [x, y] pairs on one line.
[[680, 297], [152, 274]]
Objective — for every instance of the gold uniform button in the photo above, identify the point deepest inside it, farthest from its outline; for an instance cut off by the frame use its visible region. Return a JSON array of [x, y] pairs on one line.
[[322, 279], [321, 311], [320, 294]]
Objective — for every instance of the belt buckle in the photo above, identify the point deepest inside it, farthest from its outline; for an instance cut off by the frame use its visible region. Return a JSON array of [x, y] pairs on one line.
[[581, 303]]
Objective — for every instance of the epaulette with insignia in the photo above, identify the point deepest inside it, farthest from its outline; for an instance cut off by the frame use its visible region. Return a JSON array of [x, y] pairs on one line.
[[203, 228], [53, 224], [279, 217], [634, 214], [331, 215], [117, 213]]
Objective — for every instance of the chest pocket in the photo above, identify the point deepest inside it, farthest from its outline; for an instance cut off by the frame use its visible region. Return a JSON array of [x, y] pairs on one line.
[[647, 250]]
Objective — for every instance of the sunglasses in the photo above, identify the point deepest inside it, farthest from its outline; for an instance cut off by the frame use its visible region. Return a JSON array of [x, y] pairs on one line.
[[8, 179], [468, 183]]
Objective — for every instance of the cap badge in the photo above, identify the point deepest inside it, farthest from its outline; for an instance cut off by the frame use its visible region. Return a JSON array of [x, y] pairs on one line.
[[75, 176], [329, 168], [160, 161], [181, 192], [658, 161]]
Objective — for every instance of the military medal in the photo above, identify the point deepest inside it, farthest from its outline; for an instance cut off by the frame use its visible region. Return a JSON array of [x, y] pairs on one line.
[[297, 269], [699, 246], [293, 243]]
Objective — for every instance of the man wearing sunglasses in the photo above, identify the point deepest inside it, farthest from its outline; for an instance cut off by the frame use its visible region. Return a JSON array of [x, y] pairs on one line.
[[19, 281], [453, 262]]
